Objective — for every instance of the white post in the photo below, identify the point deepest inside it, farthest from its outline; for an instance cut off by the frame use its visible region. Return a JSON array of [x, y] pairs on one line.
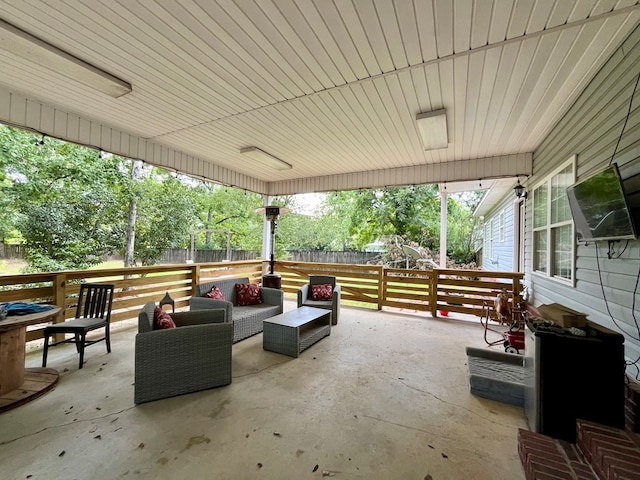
[[266, 233], [443, 229]]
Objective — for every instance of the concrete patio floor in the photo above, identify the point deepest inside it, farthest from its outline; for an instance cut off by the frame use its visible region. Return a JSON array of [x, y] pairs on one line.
[[385, 396]]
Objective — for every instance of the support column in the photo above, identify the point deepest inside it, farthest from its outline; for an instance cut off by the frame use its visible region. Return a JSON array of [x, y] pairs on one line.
[[443, 230], [266, 235]]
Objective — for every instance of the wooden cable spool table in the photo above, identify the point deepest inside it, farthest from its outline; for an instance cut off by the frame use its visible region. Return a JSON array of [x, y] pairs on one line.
[[19, 385]]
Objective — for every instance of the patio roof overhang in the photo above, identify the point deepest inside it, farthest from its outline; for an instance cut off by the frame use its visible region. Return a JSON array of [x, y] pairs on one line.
[[331, 89]]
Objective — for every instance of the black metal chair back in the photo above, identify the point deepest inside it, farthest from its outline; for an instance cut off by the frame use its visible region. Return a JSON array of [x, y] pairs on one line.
[[93, 311], [94, 301]]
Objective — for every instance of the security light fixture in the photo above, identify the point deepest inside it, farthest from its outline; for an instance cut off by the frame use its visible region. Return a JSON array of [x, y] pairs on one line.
[[520, 191], [265, 158], [433, 129], [26, 46]]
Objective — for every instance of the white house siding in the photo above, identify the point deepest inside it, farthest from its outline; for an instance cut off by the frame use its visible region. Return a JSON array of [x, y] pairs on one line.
[[590, 130], [502, 258]]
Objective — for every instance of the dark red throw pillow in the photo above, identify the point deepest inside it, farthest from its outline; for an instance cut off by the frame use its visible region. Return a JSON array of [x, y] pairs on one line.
[[162, 319], [321, 292], [248, 294], [215, 293]]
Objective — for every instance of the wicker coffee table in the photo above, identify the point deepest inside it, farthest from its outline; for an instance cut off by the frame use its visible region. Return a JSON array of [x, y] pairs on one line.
[[292, 332]]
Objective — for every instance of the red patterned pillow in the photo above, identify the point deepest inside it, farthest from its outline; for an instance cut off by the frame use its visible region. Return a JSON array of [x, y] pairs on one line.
[[215, 293], [162, 319], [321, 292], [248, 294]]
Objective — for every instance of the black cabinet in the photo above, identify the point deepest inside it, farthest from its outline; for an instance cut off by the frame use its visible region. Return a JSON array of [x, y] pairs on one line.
[[569, 377]]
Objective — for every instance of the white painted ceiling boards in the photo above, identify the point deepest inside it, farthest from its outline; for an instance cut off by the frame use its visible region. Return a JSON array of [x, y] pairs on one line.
[[331, 87]]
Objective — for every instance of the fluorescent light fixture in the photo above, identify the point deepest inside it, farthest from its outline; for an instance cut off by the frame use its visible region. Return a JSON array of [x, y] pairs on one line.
[[26, 46], [433, 129], [265, 158]]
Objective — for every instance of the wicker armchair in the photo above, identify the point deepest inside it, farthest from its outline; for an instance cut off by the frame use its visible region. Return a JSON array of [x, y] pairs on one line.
[[194, 356], [304, 296]]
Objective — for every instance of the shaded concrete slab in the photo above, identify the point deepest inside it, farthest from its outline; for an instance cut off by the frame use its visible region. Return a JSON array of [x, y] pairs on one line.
[[385, 396]]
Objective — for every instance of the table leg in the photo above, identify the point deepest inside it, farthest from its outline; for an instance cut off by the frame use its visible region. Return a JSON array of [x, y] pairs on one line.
[[12, 348]]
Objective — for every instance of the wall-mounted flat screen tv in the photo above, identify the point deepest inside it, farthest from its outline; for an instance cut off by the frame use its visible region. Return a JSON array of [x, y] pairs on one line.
[[599, 207]]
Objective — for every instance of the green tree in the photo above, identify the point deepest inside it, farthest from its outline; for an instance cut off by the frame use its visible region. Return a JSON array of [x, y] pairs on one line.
[[167, 210], [65, 201]]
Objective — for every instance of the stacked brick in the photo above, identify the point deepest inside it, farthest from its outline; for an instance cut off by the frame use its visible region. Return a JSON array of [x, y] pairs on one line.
[[600, 453], [545, 458], [613, 454], [632, 406]]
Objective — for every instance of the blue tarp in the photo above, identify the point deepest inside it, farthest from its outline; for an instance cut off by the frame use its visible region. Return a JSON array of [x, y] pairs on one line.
[[24, 308]]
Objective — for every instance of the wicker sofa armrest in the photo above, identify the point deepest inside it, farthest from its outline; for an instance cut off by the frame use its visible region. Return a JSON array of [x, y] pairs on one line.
[[199, 317], [204, 303], [272, 296], [303, 294], [182, 360]]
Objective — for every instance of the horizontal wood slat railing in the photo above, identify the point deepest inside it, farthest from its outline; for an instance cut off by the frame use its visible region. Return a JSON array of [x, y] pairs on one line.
[[372, 286]]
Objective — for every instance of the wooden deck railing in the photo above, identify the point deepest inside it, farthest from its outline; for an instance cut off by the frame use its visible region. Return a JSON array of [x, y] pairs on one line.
[[373, 286]]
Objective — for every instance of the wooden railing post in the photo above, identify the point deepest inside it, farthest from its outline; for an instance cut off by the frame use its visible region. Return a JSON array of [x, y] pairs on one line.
[[381, 277], [59, 285], [433, 292], [195, 278]]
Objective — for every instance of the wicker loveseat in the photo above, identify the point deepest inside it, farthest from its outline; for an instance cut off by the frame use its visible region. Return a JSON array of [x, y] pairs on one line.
[[194, 356], [246, 320]]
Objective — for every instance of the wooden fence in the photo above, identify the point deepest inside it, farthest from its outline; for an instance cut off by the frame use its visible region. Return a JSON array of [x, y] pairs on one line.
[[372, 286]]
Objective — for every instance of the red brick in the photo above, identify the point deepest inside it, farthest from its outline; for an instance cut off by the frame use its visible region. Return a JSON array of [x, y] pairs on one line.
[[543, 476], [543, 468], [560, 465], [618, 473], [631, 458], [583, 471], [614, 465]]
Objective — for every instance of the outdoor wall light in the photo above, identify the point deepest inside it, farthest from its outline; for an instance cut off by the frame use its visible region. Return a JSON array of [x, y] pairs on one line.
[[520, 191]]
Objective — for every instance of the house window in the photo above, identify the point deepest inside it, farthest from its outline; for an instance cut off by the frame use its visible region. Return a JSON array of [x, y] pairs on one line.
[[488, 239], [501, 226], [553, 243]]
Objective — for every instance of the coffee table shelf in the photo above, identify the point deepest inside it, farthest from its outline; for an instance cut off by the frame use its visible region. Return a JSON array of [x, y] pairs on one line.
[[293, 332]]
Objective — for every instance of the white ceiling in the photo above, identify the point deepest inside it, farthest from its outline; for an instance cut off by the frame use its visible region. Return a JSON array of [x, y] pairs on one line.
[[331, 87]]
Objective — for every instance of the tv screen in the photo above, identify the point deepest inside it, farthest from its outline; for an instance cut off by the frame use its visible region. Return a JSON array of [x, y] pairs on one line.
[[599, 207]]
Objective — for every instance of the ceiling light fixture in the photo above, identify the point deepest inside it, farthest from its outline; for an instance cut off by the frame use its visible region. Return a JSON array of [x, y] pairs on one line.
[[433, 129], [26, 46], [265, 158]]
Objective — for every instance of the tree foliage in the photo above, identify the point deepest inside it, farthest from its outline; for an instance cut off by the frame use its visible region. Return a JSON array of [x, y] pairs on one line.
[[72, 207]]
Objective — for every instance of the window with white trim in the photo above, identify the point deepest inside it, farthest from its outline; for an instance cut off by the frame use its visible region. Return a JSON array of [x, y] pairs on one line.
[[553, 241], [501, 220], [488, 239]]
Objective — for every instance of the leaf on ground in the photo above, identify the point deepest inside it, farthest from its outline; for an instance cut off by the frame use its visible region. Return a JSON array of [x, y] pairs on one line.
[[141, 445]]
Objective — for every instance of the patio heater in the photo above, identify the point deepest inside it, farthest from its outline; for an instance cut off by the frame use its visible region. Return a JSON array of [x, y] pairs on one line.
[[272, 213]]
